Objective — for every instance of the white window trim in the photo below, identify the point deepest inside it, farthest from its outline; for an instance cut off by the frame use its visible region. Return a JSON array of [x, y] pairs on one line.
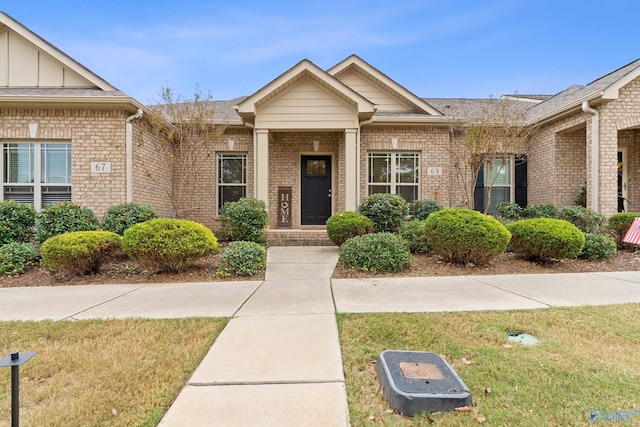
[[245, 184], [37, 184], [393, 184]]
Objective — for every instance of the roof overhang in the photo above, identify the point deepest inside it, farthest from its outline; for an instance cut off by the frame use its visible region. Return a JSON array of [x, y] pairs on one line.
[[371, 72], [247, 108], [31, 101]]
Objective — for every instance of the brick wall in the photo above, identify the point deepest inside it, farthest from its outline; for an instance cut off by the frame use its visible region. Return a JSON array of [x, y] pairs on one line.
[[95, 136], [431, 143]]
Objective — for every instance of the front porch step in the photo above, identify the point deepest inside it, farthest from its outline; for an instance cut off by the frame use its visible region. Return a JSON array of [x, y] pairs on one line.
[[298, 238]]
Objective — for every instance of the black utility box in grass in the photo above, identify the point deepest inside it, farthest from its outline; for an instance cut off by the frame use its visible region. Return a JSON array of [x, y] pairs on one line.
[[416, 381]]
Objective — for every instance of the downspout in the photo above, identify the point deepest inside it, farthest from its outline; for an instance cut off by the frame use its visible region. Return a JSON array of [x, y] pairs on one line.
[[128, 153], [595, 156]]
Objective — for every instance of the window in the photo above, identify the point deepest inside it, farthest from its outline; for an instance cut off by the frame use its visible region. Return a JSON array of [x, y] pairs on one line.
[[507, 178], [232, 178], [395, 173], [36, 173]]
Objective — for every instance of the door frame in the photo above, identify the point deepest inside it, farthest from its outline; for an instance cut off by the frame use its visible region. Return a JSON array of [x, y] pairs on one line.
[[624, 176], [331, 182]]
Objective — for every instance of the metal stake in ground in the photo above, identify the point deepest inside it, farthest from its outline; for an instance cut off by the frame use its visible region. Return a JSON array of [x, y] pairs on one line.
[[15, 360]]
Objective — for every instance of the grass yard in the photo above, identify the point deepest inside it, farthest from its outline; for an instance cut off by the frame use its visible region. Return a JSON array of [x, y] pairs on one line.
[[588, 358], [102, 372]]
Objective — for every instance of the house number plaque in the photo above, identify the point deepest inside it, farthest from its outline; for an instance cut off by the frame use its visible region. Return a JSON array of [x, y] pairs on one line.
[[284, 207]]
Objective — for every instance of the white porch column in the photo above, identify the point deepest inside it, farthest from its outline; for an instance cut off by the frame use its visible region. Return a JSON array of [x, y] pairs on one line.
[[261, 165], [351, 169]]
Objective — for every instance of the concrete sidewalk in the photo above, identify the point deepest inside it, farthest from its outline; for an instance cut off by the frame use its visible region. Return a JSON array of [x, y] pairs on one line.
[[278, 362]]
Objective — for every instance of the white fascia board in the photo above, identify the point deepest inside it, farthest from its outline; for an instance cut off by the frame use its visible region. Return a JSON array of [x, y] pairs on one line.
[[363, 65]]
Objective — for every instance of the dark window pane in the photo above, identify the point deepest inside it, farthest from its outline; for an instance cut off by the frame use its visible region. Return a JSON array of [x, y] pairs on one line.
[[375, 189], [408, 192], [230, 193], [316, 167]]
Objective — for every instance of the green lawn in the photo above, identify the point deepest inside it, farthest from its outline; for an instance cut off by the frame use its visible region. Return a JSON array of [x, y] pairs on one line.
[[588, 358], [102, 372]]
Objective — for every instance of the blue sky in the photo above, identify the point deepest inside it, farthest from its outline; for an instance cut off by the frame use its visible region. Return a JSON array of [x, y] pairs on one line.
[[439, 48]]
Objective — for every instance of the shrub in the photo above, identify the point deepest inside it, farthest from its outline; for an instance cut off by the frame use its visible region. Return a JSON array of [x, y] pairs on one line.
[[509, 211], [344, 225], [165, 244], [243, 258], [245, 219], [16, 222], [15, 257], [466, 236], [64, 217], [540, 211], [585, 219], [421, 209], [375, 252], [415, 234], [387, 211], [79, 252], [619, 223], [546, 210], [598, 246], [120, 217], [543, 239]]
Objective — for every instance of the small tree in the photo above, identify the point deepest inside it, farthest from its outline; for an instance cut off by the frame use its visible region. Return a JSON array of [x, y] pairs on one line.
[[485, 136], [183, 133]]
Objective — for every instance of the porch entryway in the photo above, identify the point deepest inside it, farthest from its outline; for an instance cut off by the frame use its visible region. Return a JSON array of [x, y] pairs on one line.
[[315, 189]]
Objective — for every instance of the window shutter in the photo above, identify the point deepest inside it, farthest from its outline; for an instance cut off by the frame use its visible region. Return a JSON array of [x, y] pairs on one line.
[[478, 194], [521, 181]]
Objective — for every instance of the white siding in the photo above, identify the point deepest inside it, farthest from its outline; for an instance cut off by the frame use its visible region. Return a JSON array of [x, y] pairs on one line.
[[23, 65], [374, 93], [306, 105]]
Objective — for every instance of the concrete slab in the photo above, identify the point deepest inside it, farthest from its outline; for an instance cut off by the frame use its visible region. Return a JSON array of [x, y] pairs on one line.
[[274, 349], [173, 300], [56, 302], [290, 297], [286, 405], [629, 276], [415, 294], [302, 254], [298, 271], [567, 289]]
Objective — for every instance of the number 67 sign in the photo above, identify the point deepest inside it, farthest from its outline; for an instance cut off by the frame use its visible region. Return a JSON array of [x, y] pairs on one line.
[[100, 167]]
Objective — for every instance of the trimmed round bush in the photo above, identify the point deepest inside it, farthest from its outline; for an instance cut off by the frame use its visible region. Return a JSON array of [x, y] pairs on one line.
[[16, 222], [414, 232], [421, 209], [120, 217], [15, 257], [619, 223], [387, 211], [243, 258], [587, 220], [543, 239], [598, 246], [165, 244], [64, 217], [245, 219], [466, 236], [509, 211], [540, 211], [375, 252], [344, 225], [79, 252]]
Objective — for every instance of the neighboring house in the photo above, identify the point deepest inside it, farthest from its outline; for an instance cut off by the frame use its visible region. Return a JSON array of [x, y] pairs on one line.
[[310, 143]]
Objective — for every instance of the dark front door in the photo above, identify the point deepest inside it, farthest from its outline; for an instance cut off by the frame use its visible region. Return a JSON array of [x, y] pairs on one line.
[[315, 190]]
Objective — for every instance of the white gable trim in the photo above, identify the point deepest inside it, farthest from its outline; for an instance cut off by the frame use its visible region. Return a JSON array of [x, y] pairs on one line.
[[48, 48], [247, 108], [613, 91], [355, 61]]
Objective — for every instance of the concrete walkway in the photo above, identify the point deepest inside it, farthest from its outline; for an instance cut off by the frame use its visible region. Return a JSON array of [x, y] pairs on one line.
[[278, 363]]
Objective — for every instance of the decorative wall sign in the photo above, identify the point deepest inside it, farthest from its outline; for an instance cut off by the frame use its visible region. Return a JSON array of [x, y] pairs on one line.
[[284, 207]]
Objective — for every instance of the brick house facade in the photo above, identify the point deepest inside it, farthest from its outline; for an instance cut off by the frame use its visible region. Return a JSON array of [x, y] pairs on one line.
[[311, 143]]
